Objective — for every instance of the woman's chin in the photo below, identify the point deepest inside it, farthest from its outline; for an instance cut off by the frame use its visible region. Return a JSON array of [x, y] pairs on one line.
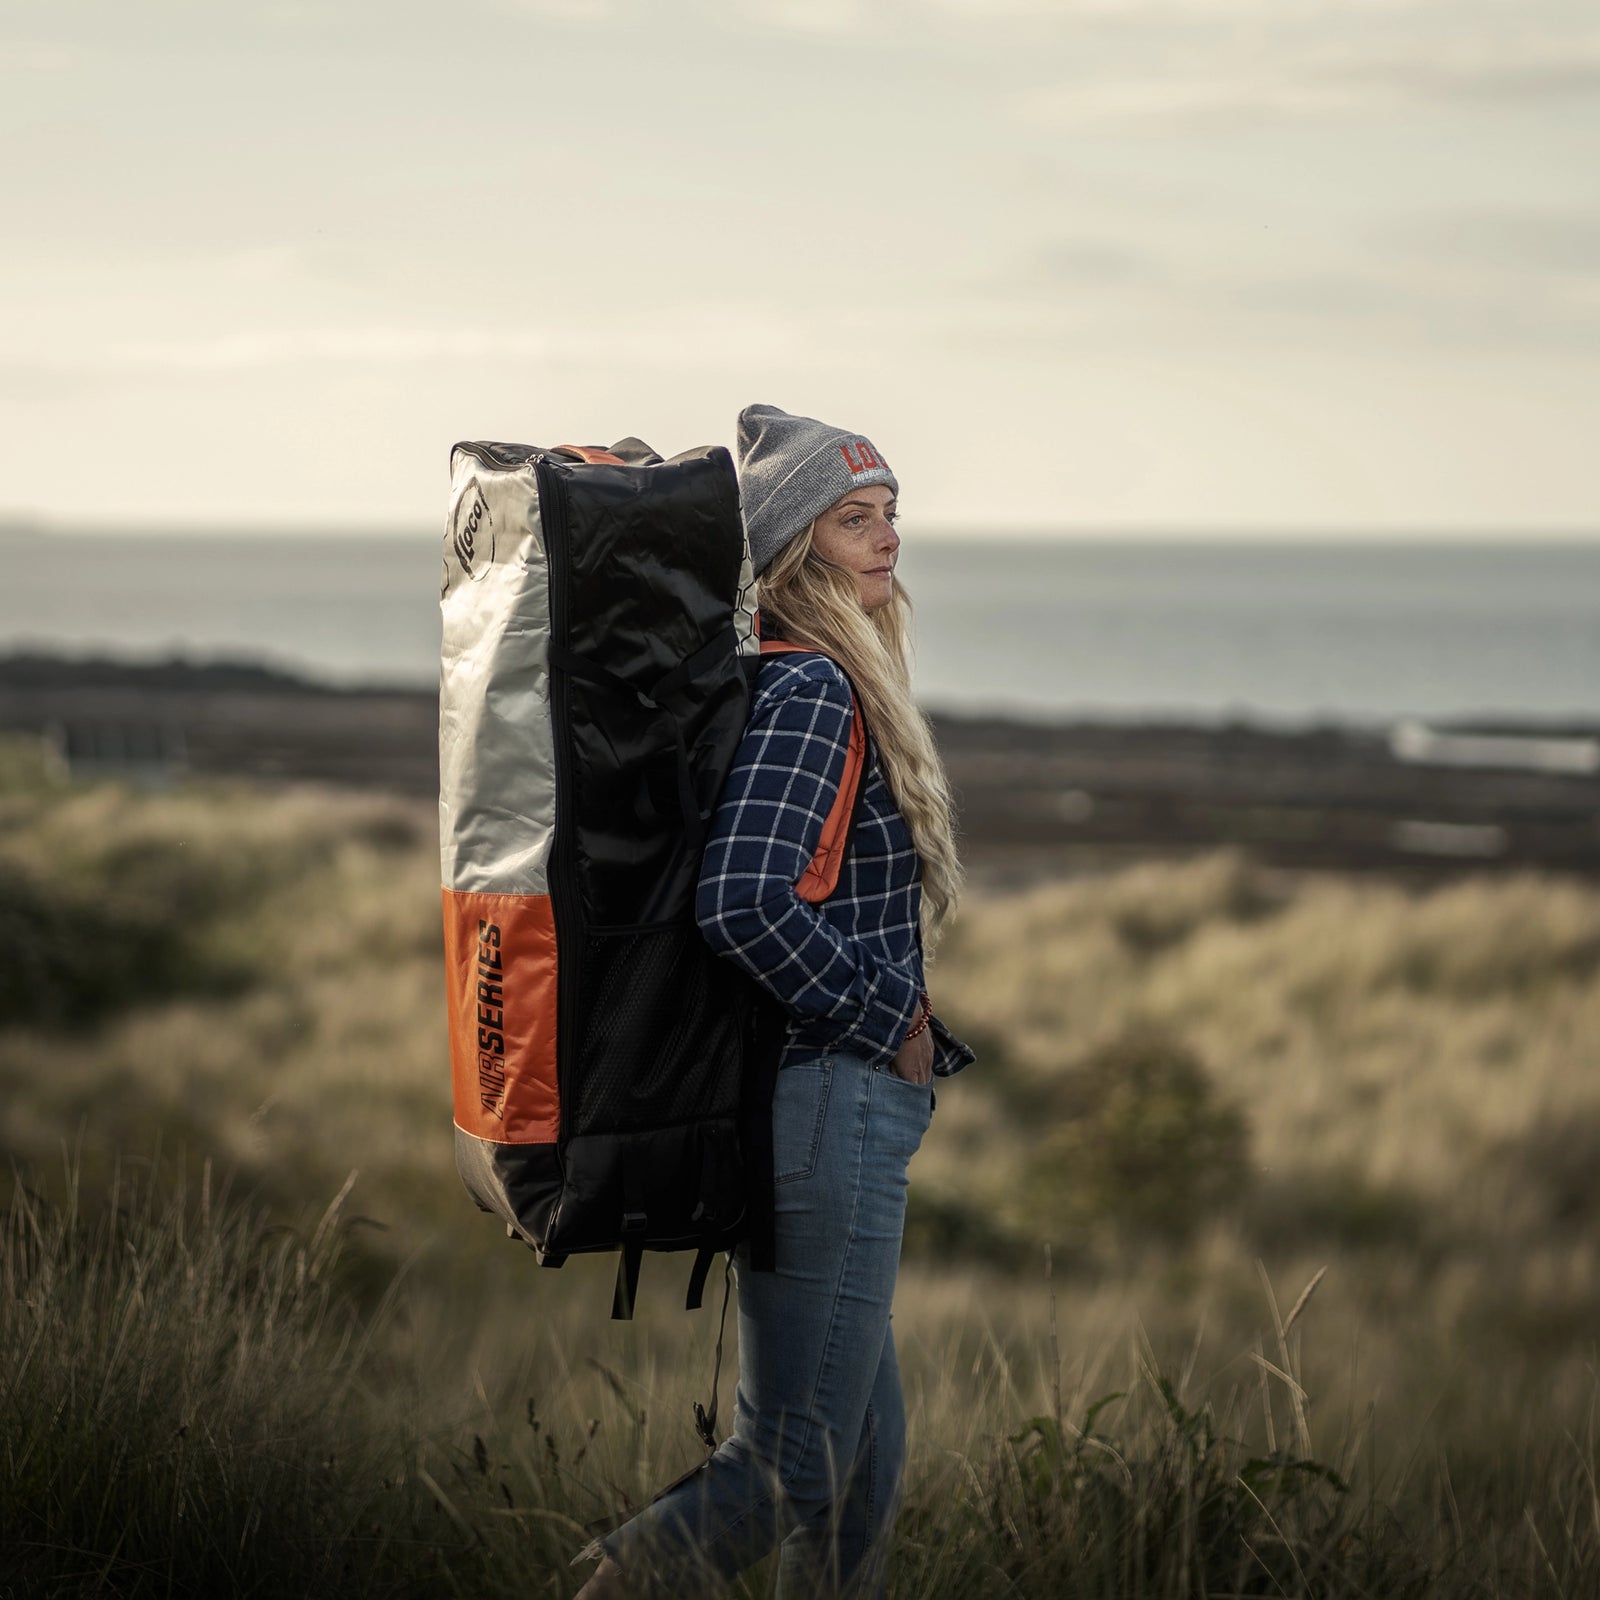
[[876, 592]]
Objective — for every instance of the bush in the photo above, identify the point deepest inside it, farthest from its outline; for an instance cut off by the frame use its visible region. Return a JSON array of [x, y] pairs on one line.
[[67, 960], [1138, 1141], [946, 1230]]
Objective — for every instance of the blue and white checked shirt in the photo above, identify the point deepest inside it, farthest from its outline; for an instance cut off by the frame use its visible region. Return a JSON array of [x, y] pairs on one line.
[[849, 971]]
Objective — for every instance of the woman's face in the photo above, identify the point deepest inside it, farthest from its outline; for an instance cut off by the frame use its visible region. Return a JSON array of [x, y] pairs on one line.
[[857, 533]]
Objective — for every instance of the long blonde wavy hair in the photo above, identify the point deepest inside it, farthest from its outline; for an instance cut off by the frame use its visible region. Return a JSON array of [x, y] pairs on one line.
[[807, 600]]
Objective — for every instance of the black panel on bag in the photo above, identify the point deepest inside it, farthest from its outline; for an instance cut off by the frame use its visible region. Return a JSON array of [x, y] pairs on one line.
[[661, 1032], [651, 572], [671, 1170], [647, 560]]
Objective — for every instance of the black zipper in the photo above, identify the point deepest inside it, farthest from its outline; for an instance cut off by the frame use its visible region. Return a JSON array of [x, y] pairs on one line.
[[502, 457], [561, 873]]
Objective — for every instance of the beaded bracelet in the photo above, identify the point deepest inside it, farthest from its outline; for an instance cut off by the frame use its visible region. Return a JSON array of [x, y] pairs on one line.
[[927, 1013]]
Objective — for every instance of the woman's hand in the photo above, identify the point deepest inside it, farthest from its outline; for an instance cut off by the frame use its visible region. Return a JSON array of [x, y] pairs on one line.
[[913, 1061]]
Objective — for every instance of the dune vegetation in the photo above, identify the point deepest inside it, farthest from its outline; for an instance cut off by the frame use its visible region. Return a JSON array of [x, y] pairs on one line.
[[257, 1341]]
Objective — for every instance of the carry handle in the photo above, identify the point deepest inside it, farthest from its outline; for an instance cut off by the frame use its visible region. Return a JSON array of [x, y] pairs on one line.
[[593, 454]]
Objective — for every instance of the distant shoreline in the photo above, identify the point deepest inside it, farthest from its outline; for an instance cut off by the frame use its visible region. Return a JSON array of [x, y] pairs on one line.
[[49, 672], [1037, 796], [1286, 635]]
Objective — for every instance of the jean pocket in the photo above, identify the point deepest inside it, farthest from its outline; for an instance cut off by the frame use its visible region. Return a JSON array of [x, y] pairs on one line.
[[922, 1092], [799, 1109]]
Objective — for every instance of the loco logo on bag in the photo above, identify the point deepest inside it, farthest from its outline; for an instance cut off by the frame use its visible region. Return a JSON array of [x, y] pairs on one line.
[[472, 532]]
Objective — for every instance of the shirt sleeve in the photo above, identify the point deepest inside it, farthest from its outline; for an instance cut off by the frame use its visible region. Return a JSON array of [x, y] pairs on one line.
[[785, 778]]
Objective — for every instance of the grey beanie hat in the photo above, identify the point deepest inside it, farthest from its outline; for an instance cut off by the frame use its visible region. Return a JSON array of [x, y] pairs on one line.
[[791, 468]]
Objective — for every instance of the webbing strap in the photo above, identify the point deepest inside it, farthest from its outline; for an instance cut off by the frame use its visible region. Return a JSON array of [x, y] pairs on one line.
[[698, 1273], [635, 1225], [714, 1155], [705, 1418], [724, 642], [626, 1291]]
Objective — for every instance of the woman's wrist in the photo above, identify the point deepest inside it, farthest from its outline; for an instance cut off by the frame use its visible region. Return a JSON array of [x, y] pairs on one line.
[[922, 1021]]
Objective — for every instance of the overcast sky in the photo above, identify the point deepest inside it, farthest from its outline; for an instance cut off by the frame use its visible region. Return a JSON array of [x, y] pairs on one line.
[[1262, 265]]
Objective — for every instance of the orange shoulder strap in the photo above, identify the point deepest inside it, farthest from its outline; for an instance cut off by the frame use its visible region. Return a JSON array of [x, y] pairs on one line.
[[821, 878]]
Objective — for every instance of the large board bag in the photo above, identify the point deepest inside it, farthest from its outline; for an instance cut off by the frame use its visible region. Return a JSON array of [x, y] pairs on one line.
[[611, 1075]]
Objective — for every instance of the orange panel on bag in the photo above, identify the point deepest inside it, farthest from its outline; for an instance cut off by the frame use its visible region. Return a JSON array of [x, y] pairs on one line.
[[500, 964]]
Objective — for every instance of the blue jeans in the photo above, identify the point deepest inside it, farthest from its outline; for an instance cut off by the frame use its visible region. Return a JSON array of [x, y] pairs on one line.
[[818, 1443]]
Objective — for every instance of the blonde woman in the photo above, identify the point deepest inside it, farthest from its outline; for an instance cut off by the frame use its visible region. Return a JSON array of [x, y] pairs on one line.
[[815, 1458]]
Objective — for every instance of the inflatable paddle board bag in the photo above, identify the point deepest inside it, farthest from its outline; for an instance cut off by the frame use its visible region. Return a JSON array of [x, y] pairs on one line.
[[612, 1075]]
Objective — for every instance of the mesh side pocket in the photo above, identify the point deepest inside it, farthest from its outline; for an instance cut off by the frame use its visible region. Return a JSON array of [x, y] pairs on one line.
[[661, 1031]]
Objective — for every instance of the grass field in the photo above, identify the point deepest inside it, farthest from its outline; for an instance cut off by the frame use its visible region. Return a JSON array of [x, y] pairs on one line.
[[256, 1340]]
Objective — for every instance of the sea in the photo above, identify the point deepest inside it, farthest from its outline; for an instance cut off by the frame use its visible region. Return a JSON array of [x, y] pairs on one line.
[[1291, 632]]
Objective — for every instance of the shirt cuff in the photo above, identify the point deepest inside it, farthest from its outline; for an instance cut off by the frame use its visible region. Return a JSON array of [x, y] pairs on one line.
[[893, 1004]]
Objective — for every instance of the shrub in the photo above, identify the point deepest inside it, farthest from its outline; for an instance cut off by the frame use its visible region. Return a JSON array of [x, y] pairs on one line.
[[68, 960], [1139, 1141], [947, 1230]]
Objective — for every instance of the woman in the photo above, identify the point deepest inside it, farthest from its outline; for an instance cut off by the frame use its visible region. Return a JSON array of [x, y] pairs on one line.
[[815, 1457]]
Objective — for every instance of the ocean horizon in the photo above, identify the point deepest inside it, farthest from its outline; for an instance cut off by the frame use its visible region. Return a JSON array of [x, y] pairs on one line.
[[1294, 631]]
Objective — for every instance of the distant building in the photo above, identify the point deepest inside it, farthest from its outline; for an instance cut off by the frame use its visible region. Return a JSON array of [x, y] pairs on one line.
[[151, 753]]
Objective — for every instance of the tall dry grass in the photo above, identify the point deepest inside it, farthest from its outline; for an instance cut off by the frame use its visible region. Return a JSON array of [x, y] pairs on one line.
[[196, 1404], [1191, 1076]]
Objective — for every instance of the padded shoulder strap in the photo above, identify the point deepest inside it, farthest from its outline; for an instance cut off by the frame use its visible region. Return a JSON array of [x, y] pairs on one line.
[[821, 877]]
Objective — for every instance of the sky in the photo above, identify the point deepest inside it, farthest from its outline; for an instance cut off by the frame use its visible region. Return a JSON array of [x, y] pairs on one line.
[[1198, 266]]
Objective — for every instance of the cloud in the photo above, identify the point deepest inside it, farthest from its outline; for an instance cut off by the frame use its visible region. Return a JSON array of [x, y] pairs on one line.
[[561, 10], [1271, 79], [1474, 280], [807, 16], [35, 55], [685, 336], [1090, 263], [1523, 240], [815, 15], [1164, 11], [901, 19], [373, 347]]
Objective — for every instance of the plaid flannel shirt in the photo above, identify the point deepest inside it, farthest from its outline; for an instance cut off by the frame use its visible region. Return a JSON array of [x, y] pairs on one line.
[[848, 971]]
